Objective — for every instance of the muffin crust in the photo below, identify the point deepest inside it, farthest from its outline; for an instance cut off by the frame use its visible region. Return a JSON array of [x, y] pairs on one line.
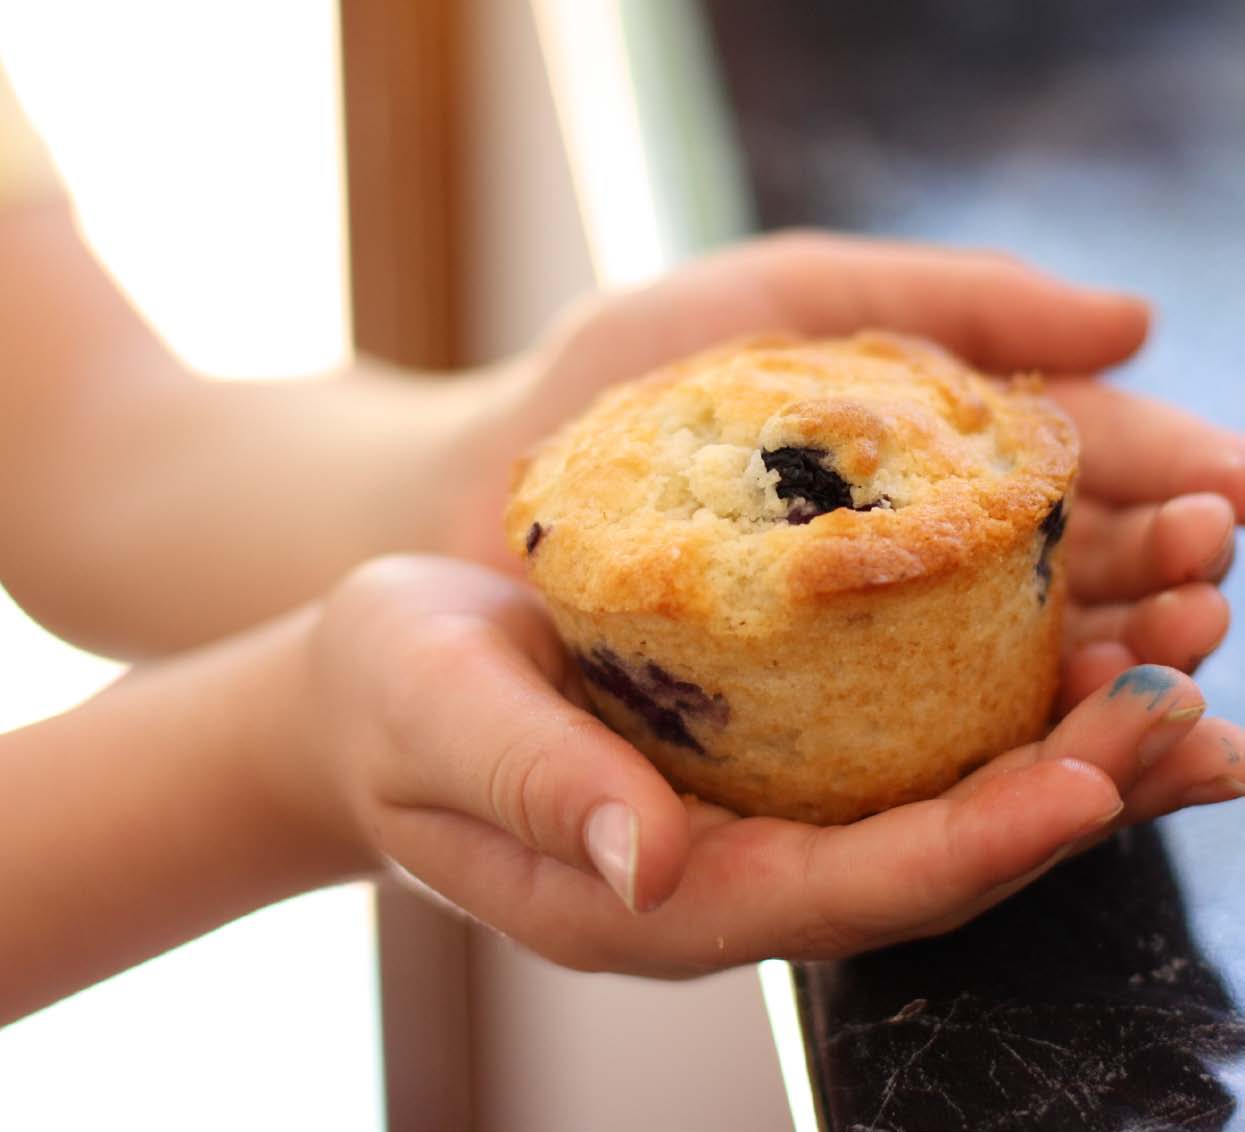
[[658, 499], [809, 579]]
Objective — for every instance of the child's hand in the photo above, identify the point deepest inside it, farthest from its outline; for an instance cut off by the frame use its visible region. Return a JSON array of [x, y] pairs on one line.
[[1151, 533], [468, 761], [994, 311]]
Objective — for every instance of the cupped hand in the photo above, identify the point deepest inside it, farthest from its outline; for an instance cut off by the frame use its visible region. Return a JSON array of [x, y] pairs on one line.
[[992, 310], [1152, 530], [470, 762]]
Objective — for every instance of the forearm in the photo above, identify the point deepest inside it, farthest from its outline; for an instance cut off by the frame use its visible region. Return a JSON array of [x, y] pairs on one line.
[[158, 509], [146, 509], [178, 799]]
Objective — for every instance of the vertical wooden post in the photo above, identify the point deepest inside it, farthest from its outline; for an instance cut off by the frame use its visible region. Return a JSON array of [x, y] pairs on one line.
[[401, 74], [401, 80]]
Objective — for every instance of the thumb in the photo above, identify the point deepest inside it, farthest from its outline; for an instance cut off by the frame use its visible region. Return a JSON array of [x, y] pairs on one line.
[[486, 735]]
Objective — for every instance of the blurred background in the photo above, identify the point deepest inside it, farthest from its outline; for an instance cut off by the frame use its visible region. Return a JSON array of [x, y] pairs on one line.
[[279, 183], [201, 143], [1104, 142]]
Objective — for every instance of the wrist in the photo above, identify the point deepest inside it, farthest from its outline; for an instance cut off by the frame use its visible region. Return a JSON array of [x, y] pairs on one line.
[[477, 461], [303, 778], [421, 439]]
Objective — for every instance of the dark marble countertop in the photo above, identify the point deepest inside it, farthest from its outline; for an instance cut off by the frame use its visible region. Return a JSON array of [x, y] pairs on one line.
[[1104, 141], [1102, 998]]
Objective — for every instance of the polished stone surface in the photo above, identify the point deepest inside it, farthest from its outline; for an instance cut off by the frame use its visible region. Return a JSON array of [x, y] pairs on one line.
[[1105, 141], [1094, 1001]]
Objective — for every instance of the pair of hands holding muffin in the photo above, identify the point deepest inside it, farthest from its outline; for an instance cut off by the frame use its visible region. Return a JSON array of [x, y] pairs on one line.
[[1148, 541], [425, 715]]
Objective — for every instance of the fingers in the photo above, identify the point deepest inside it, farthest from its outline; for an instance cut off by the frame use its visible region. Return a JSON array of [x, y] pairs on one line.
[[762, 887], [483, 733], [1205, 767], [1178, 627], [1138, 450], [995, 311], [456, 672], [1142, 729], [1088, 667], [998, 313], [889, 877], [1182, 761], [1128, 724], [1127, 554], [1124, 722]]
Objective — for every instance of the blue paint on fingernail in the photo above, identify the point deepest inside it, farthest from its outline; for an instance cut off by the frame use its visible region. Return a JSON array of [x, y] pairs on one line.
[[1144, 680]]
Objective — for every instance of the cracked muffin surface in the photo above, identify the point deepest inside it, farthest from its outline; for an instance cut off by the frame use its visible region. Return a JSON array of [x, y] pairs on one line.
[[750, 480], [828, 539]]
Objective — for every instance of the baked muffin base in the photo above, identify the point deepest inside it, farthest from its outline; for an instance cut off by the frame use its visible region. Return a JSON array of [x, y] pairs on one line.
[[873, 699]]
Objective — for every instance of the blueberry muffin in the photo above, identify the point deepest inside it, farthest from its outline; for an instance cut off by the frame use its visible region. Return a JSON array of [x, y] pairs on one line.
[[809, 579]]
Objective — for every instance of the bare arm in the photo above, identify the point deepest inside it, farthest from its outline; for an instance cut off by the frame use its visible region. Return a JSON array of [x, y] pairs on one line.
[[178, 799], [157, 509], [418, 715], [144, 508]]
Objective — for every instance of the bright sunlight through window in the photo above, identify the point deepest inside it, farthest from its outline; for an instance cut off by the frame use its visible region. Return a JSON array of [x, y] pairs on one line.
[[201, 140]]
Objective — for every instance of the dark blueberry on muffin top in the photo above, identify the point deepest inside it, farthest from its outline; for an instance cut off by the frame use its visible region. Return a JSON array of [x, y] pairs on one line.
[[802, 475], [813, 488]]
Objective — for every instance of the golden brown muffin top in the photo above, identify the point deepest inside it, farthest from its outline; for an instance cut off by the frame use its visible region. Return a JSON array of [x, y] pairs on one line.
[[739, 484]]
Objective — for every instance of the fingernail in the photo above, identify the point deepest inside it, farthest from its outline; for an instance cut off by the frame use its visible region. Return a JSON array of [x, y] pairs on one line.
[[1166, 733], [1222, 789], [1145, 681], [1073, 843], [1218, 565], [1097, 824], [1114, 296], [612, 838]]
